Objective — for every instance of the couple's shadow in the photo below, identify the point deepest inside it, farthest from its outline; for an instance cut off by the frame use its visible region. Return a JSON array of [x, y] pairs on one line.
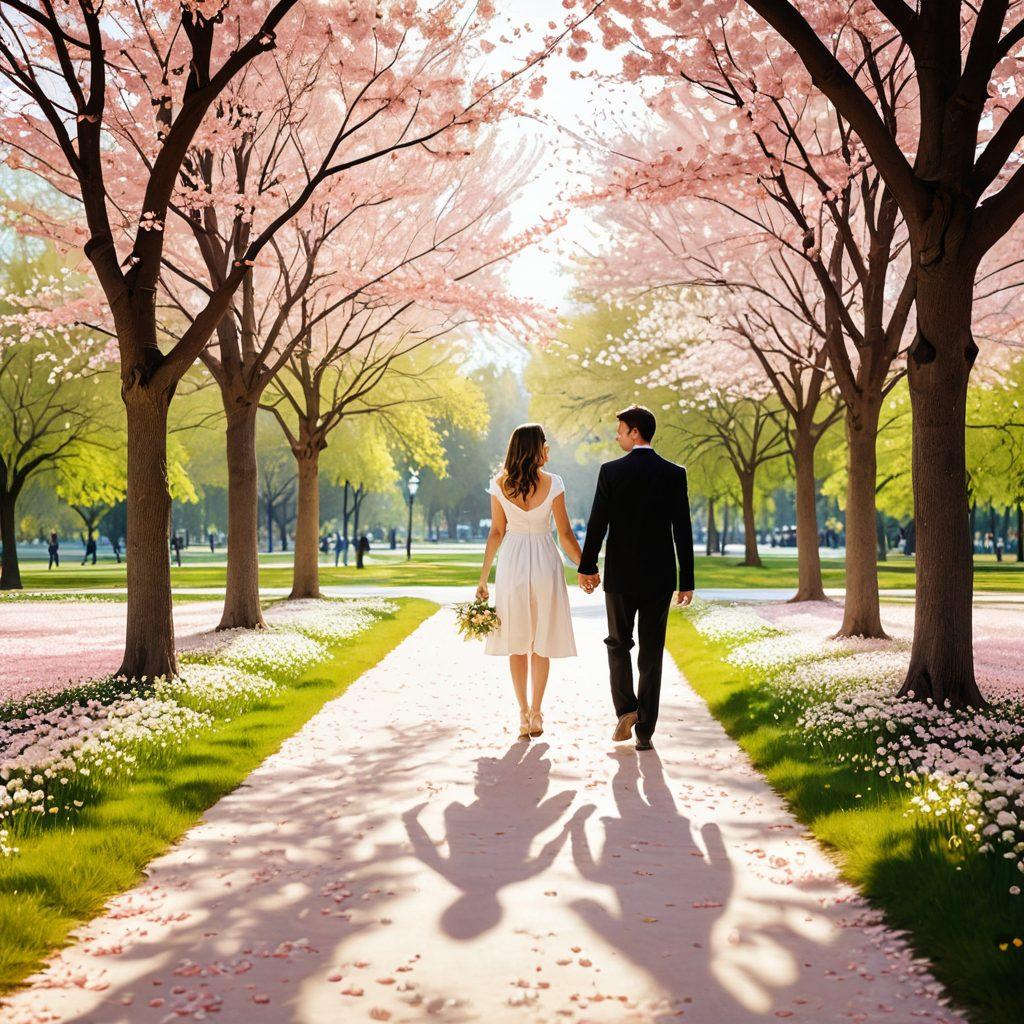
[[490, 840], [648, 861], [669, 892]]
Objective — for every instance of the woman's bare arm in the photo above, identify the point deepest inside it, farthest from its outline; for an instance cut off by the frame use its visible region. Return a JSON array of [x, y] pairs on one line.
[[570, 545], [497, 532]]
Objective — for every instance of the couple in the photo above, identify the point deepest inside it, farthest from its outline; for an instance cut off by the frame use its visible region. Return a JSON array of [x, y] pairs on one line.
[[642, 505]]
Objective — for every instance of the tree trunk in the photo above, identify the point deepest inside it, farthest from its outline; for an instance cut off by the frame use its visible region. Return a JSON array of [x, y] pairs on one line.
[[942, 657], [861, 615], [711, 544], [750, 553], [808, 558], [242, 592], [270, 525], [883, 544], [149, 636], [10, 572], [306, 573], [723, 537]]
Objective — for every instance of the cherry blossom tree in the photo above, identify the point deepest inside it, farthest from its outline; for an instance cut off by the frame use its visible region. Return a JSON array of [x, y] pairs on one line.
[[372, 358], [380, 219], [765, 297], [740, 129], [951, 162], [106, 103]]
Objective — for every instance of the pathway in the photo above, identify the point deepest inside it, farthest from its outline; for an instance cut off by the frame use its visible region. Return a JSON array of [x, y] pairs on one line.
[[402, 858]]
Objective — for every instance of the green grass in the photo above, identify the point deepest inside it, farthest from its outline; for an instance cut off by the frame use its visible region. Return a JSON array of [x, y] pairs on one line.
[[461, 569], [956, 907], [63, 877]]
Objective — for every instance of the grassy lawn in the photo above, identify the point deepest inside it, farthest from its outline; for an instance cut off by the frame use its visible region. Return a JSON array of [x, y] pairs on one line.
[[64, 876], [429, 568], [956, 907]]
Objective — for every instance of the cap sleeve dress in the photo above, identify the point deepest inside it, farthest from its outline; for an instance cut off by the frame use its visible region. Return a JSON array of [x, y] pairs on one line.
[[530, 593]]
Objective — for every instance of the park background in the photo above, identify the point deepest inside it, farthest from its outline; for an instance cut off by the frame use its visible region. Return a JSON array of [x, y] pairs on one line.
[[333, 325]]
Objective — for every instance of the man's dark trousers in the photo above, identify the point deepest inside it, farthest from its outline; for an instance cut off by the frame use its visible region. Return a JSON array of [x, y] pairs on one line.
[[651, 617]]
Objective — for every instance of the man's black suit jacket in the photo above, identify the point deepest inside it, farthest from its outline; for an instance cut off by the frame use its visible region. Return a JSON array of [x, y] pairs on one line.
[[642, 504]]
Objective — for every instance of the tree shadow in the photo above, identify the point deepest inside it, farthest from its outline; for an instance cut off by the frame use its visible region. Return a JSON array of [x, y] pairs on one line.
[[511, 805], [281, 870]]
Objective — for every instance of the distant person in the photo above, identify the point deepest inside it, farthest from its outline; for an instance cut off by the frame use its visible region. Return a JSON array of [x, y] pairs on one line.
[[54, 549], [176, 545], [115, 546], [1000, 545], [393, 538], [362, 547], [325, 543], [340, 548], [213, 543], [90, 550]]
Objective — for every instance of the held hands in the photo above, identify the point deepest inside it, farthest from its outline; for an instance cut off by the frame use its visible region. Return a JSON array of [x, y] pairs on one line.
[[684, 597], [588, 584], [482, 592]]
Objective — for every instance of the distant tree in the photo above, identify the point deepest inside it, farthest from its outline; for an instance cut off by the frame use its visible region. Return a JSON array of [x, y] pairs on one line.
[[53, 402]]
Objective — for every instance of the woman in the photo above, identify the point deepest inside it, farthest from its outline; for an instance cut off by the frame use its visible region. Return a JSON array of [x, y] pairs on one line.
[[530, 593]]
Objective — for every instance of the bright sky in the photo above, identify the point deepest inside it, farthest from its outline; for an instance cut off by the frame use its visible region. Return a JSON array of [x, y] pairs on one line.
[[573, 105]]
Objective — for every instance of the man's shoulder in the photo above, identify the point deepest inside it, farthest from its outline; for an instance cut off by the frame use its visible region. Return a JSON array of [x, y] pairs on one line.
[[671, 467], [613, 466]]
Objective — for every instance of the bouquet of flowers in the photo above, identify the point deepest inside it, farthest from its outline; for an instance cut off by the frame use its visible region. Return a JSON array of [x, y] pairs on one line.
[[476, 619]]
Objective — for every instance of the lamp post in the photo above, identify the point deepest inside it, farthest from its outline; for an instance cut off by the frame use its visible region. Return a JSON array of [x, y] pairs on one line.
[[413, 486]]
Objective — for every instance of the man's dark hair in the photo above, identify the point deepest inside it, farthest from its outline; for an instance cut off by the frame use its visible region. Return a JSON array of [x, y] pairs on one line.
[[640, 418]]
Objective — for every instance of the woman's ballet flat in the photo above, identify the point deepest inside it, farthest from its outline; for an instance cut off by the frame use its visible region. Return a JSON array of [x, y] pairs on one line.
[[536, 724], [524, 725]]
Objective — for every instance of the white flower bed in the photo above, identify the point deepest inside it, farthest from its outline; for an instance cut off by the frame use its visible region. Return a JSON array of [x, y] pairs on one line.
[[49, 760], [964, 769], [53, 761], [286, 653], [816, 680], [329, 621], [222, 689], [734, 622]]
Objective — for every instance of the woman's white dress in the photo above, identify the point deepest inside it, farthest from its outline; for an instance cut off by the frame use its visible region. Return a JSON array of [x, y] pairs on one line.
[[530, 594]]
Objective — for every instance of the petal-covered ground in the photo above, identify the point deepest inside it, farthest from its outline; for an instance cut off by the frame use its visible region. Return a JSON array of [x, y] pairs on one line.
[[404, 858], [997, 633], [48, 645]]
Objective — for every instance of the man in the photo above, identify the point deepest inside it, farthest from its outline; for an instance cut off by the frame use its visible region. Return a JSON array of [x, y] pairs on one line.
[[642, 504], [362, 548]]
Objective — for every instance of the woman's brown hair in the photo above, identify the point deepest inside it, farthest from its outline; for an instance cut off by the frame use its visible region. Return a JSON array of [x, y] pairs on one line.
[[523, 460]]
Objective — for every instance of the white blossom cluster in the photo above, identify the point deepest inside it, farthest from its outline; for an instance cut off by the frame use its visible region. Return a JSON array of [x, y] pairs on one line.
[[329, 621], [964, 770], [285, 653], [220, 689], [781, 651], [723, 623], [50, 761]]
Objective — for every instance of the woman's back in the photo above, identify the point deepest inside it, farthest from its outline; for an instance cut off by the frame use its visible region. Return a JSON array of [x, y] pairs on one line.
[[536, 518]]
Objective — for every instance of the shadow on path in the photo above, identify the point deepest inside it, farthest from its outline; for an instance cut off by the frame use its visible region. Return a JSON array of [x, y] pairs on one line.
[[667, 893], [490, 840]]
